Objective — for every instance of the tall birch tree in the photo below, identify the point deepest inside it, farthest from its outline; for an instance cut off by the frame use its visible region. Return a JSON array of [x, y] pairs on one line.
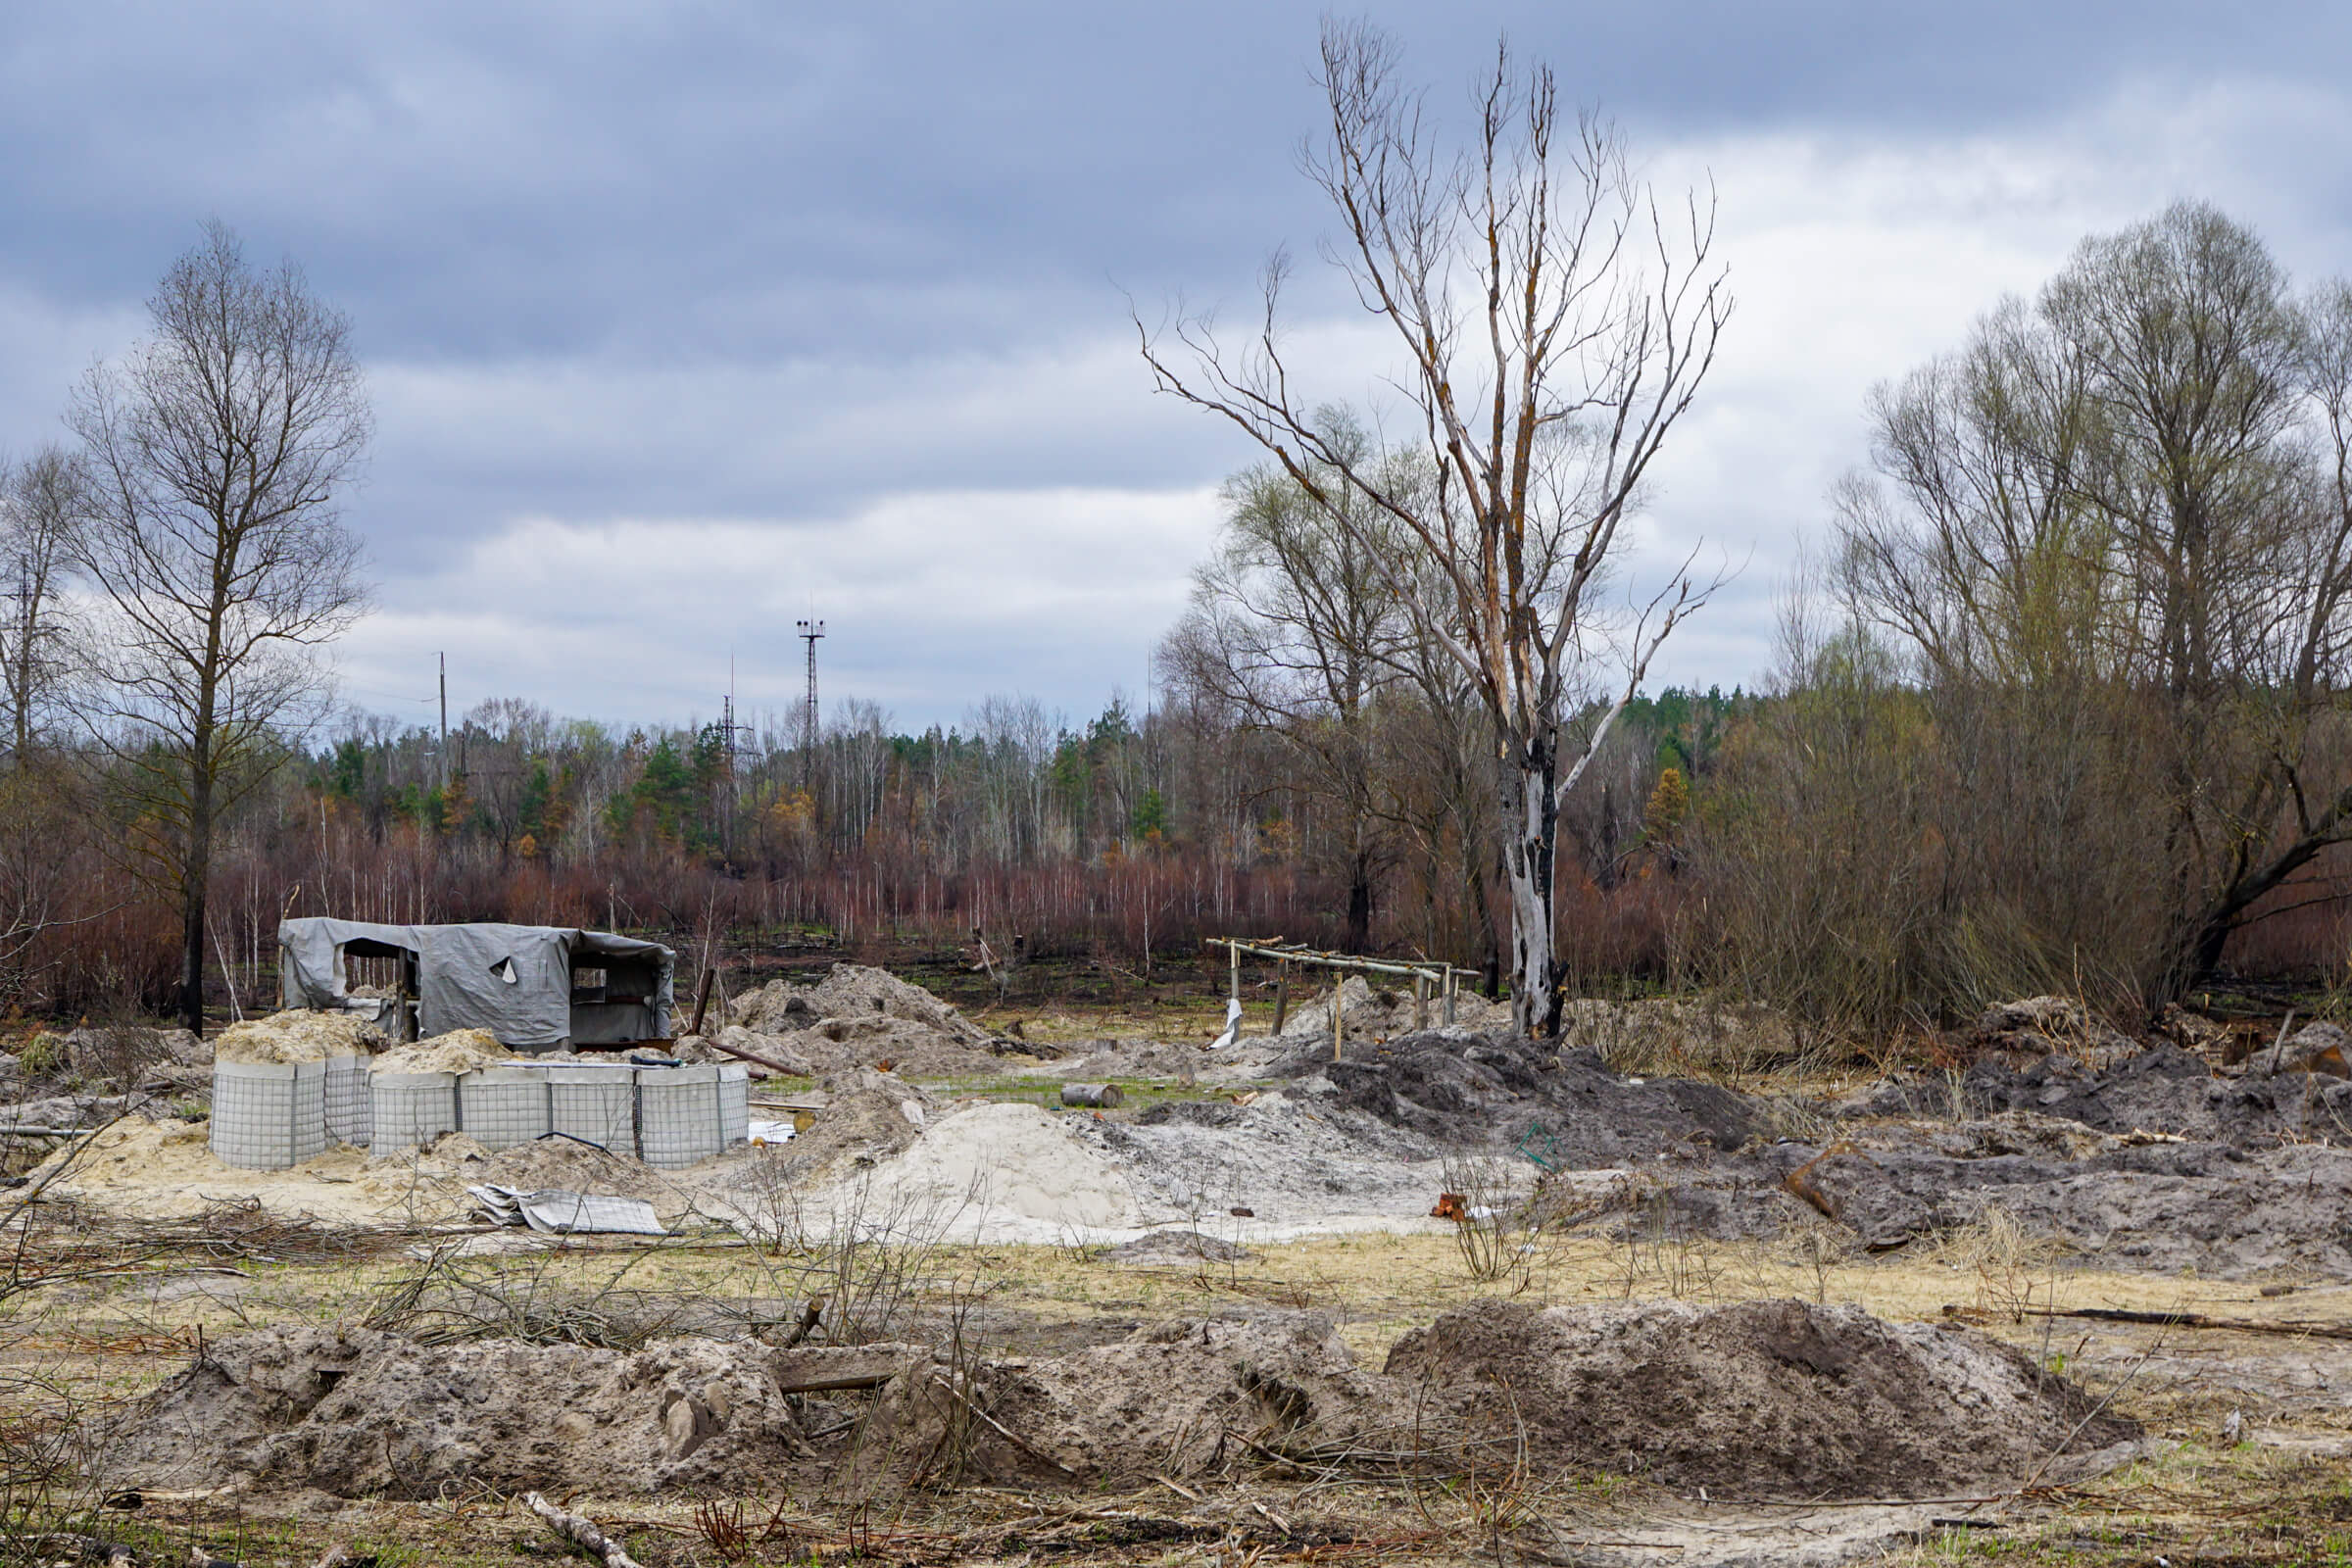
[[218, 449]]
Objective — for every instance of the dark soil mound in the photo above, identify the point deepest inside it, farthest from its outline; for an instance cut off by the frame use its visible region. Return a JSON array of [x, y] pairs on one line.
[[1765, 1400], [1462, 1089], [2211, 1207], [2165, 1089]]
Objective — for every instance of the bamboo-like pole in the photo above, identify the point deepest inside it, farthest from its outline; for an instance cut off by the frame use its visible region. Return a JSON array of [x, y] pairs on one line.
[[1321, 961]]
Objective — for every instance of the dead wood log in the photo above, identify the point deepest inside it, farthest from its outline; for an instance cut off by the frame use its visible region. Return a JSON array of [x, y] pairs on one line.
[[1101, 1096], [769, 1062], [839, 1384], [810, 1316], [2285, 1328], [581, 1532]]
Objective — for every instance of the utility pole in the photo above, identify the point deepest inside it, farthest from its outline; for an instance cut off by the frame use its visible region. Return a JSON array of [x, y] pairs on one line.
[[441, 756], [809, 632]]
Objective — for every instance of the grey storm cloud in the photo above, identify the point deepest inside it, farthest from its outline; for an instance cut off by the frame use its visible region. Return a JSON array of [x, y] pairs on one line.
[[765, 299]]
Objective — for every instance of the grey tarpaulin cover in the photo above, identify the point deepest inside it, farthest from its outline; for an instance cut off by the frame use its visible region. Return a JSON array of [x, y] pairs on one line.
[[514, 980], [556, 1212]]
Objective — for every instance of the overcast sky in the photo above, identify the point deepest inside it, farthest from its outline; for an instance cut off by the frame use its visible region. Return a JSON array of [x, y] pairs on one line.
[[684, 319]]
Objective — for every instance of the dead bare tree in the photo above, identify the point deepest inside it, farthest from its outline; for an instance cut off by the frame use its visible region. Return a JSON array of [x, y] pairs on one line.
[[217, 450], [1555, 326]]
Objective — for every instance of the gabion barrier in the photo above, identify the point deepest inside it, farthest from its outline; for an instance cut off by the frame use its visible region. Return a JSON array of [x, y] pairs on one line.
[[269, 1115], [500, 1107], [407, 1109], [594, 1105], [348, 1120], [680, 1120]]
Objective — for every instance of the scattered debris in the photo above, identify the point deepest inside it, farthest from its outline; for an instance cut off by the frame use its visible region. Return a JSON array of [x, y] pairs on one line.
[[553, 1211], [581, 1532]]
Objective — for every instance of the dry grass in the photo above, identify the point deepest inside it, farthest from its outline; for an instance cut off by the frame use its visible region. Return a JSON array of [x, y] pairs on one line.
[[97, 1340]]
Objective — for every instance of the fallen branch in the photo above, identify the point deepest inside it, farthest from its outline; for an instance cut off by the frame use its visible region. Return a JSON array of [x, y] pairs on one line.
[[811, 1315], [581, 1532], [2289, 1328], [90, 1549], [1008, 1434], [769, 1062]]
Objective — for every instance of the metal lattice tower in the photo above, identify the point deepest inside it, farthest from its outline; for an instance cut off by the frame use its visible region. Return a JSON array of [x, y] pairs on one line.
[[810, 631]]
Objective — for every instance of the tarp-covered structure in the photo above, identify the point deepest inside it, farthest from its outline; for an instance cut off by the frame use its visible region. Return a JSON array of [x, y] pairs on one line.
[[535, 987]]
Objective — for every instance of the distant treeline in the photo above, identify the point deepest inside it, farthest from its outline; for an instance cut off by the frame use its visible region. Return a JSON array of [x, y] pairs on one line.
[[1774, 845]]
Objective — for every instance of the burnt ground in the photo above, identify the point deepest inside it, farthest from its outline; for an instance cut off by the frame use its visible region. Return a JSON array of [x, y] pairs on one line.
[[2157, 1162], [1565, 1413]]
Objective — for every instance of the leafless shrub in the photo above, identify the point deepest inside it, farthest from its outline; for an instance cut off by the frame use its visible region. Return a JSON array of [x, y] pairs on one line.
[[1495, 1231], [873, 1257], [43, 1449], [1658, 1254], [2017, 1272], [536, 1298]]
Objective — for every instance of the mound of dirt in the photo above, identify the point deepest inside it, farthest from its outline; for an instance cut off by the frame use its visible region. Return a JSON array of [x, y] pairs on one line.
[[1176, 1247], [999, 1169], [1383, 1012], [2037, 1026], [858, 1016], [459, 1050], [1163, 1401], [299, 1035], [848, 991], [2160, 1207], [784, 1053], [1762, 1400], [357, 1413], [1296, 1162], [868, 1117], [2165, 1089], [1771, 1399], [1660, 1033], [165, 1170], [1469, 1090]]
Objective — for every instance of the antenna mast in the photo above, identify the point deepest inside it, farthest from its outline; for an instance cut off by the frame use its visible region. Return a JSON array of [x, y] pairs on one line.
[[809, 632]]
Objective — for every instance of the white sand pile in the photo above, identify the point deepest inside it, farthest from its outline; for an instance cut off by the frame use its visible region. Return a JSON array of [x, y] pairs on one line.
[[459, 1050], [163, 1170], [998, 1171], [298, 1035]]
